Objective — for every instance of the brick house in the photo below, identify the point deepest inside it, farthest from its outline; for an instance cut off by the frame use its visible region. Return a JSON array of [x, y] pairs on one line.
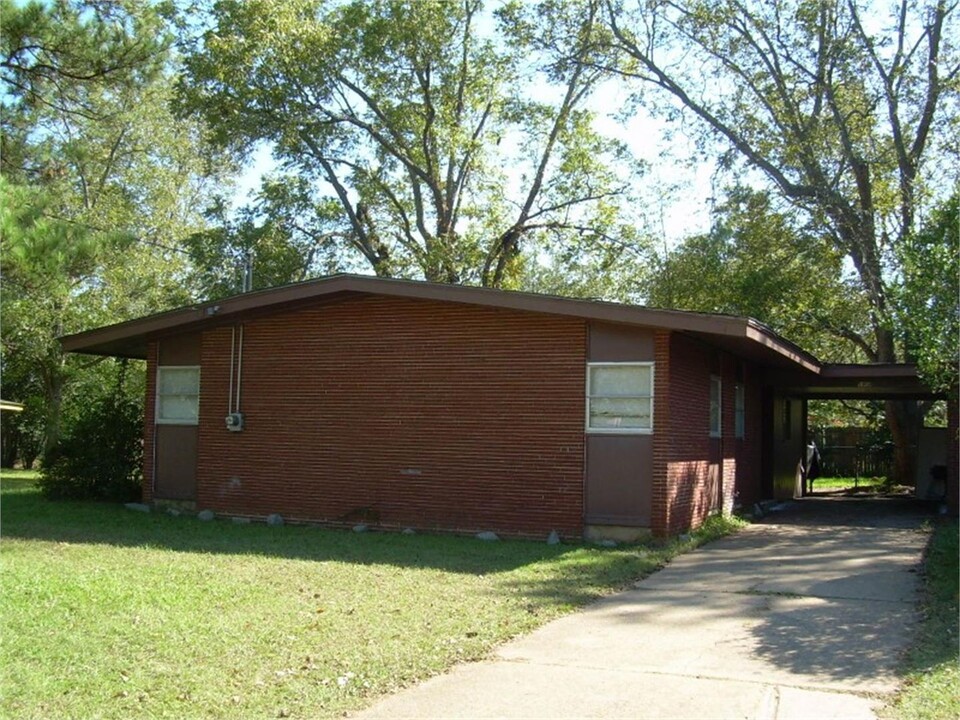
[[409, 404]]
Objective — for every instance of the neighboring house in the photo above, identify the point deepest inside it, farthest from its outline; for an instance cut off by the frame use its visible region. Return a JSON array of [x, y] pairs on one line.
[[405, 404]]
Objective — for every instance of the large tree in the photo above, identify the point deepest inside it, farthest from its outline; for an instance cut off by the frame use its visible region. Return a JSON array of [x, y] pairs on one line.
[[929, 294], [842, 108], [420, 125], [99, 182], [763, 261]]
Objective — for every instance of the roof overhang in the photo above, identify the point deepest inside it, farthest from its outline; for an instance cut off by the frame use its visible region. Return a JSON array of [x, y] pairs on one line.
[[744, 336]]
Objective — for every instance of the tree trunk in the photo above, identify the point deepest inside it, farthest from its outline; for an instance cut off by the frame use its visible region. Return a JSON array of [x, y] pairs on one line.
[[903, 416], [10, 447], [903, 419], [54, 400]]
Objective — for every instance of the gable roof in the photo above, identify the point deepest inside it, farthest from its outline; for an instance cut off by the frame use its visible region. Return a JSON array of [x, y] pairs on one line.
[[744, 336]]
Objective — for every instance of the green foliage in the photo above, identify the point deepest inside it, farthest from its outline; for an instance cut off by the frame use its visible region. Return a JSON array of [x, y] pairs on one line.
[[99, 184], [762, 262], [841, 114], [102, 457], [289, 236], [50, 49], [21, 434], [929, 296], [411, 120], [849, 413], [844, 108]]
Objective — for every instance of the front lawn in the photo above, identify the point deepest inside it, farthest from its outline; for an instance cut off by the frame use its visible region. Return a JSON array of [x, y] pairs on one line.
[[115, 614]]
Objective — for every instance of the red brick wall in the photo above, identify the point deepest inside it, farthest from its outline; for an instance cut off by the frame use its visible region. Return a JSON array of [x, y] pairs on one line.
[[148, 424], [691, 487], [400, 412], [662, 445], [953, 455], [689, 466], [747, 489], [726, 369]]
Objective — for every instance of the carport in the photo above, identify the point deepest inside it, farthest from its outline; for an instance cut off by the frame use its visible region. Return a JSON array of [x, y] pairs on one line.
[[786, 406]]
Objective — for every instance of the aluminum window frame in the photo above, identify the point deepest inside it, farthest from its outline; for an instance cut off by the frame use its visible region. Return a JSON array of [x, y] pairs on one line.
[[716, 432], [590, 396]]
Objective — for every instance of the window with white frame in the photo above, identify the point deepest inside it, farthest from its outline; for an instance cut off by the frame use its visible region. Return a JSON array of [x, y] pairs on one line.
[[716, 388], [620, 397], [178, 395], [739, 411]]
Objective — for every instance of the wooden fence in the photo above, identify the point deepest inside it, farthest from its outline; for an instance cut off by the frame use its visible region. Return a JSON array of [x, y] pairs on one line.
[[853, 452]]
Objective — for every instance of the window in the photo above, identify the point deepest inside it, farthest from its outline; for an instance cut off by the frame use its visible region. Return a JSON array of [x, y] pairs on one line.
[[178, 395], [620, 397], [739, 411], [715, 389]]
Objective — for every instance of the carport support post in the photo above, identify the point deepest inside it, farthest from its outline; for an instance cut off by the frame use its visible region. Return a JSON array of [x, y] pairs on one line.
[[805, 438]]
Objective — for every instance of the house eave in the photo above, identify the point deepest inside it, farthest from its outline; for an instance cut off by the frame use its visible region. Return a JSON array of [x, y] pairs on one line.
[[129, 339]]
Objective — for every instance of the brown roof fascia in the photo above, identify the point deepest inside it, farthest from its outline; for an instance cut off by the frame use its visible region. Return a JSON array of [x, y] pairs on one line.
[[760, 333], [87, 340], [237, 307], [870, 371]]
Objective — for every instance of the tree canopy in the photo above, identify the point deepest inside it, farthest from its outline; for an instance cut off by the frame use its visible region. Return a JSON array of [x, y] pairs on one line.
[[424, 131], [99, 185], [837, 106], [762, 262], [929, 295]]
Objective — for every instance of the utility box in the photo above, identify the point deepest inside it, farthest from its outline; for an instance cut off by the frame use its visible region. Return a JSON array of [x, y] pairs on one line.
[[234, 422]]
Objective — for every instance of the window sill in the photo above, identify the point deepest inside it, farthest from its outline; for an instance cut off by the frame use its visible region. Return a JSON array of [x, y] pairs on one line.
[[618, 431]]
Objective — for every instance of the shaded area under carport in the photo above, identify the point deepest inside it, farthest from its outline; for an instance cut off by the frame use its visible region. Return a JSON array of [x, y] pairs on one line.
[[784, 458]]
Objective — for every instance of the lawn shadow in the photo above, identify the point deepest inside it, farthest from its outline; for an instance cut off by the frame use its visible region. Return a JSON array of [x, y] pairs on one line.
[[26, 515]]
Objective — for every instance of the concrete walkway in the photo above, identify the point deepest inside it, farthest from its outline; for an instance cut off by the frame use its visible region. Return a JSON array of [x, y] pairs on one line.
[[803, 615]]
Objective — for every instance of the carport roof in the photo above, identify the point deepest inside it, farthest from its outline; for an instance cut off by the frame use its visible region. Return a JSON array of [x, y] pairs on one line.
[[855, 382], [745, 337]]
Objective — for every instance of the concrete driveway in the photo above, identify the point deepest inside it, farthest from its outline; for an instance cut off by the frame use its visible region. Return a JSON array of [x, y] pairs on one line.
[[803, 615]]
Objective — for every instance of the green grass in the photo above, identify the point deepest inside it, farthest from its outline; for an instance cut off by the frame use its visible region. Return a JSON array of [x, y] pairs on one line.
[[110, 613], [932, 688], [11, 474], [836, 484]]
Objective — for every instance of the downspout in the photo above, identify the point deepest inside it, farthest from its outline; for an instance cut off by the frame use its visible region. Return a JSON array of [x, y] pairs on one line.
[[239, 366], [233, 351]]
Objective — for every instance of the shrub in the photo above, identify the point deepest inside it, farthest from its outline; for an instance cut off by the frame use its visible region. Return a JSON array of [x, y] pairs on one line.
[[101, 458]]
